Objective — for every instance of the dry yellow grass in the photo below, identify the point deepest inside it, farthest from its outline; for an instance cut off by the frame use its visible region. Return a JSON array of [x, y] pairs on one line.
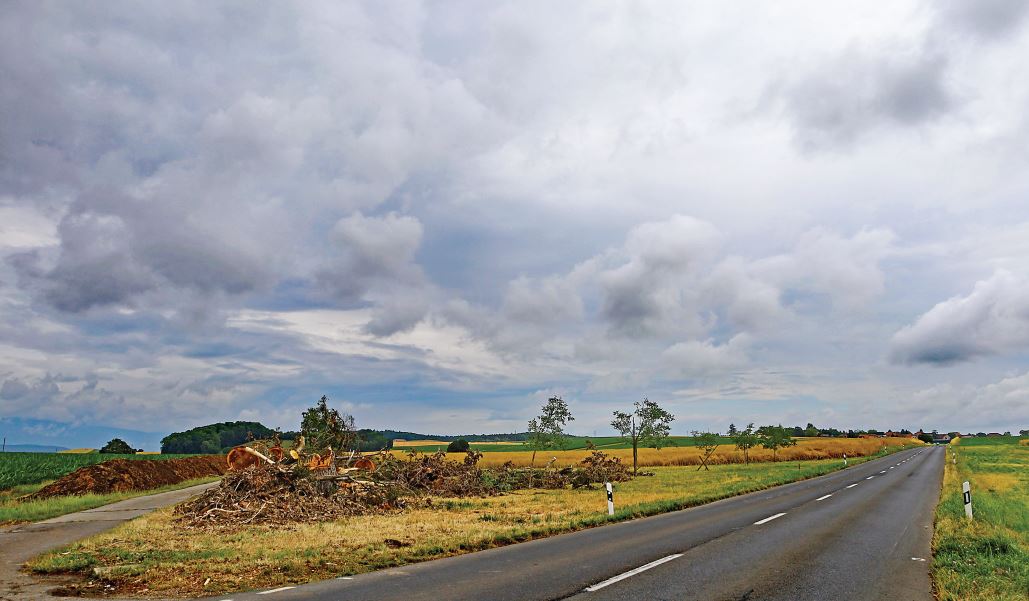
[[415, 443], [77, 451], [806, 449]]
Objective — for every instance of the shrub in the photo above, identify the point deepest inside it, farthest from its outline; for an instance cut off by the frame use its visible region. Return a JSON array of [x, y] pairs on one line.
[[458, 446]]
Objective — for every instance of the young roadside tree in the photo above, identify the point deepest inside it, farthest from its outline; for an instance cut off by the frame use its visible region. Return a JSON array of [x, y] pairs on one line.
[[706, 442], [775, 438], [323, 427], [648, 424], [745, 440], [547, 430], [117, 445]]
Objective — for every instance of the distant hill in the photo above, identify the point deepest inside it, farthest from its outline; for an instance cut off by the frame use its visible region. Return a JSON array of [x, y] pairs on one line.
[[33, 448], [218, 438]]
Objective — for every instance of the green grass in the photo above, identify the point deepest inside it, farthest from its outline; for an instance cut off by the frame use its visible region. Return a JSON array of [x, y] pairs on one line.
[[14, 511], [31, 468], [986, 558]]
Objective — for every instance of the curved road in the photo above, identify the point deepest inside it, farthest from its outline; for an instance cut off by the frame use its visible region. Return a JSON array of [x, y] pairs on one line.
[[860, 533]]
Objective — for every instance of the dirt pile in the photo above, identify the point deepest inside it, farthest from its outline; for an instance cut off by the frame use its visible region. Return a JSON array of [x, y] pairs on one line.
[[120, 475]]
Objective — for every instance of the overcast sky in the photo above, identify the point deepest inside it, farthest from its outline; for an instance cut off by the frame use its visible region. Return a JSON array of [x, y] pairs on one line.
[[440, 214]]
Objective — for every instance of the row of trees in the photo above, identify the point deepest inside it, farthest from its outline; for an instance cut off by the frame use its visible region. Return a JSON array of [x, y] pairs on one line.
[[647, 425], [768, 437]]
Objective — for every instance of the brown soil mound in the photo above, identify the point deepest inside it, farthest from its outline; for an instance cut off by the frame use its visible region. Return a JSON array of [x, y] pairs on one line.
[[120, 475]]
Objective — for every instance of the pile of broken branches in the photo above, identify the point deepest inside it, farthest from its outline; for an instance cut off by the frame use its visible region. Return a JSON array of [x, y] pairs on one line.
[[274, 494], [284, 492]]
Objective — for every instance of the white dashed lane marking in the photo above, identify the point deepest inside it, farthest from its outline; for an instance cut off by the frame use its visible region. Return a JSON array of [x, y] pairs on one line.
[[853, 485], [630, 573], [769, 519], [824, 497], [276, 590]]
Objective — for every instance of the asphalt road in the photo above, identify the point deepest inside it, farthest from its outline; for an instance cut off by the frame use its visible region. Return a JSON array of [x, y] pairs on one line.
[[860, 533], [22, 542]]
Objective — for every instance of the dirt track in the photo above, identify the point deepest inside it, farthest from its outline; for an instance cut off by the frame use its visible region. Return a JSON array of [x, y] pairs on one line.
[[120, 475]]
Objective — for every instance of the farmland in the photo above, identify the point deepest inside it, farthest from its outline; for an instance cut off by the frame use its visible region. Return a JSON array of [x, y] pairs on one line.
[[32, 468], [573, 443], [684, 453], [988, 557]]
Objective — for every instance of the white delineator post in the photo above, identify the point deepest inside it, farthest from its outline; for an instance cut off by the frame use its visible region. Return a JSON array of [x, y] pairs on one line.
[[844, 460], [966, 493], [610, 499]]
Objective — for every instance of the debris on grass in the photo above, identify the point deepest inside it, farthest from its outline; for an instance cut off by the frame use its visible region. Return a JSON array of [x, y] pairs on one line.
[[278, 493]]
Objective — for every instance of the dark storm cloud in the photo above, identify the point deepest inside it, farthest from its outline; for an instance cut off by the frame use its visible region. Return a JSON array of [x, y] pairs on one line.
[[855, 94], [114, 248], [992, 319], [984, 19]]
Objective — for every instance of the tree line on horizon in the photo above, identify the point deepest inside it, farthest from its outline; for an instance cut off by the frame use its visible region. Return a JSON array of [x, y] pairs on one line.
[[647, 425]]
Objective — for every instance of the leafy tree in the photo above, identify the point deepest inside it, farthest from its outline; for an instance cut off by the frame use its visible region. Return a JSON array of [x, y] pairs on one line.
[[926, 437], [648, 424], [775, 438], [707, 442], [217, 438], [810, 430], [745, 440], [547, 430], [323, 427], [732, 430], [458, 446], [117, 445]]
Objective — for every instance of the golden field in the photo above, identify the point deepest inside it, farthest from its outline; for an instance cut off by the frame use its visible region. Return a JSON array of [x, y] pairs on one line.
[[806, 449], [415, 443]]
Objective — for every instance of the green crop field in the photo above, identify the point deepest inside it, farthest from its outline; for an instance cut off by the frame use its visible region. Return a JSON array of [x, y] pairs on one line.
[[30, 468], [986, 557]]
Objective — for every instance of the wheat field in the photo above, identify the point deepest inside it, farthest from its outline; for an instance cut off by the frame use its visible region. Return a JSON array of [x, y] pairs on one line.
[[806, 449]]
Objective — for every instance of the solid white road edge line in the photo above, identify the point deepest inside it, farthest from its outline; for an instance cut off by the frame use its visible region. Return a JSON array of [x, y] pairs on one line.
[[853, 485], [769, 519], [824, 497], [276, 590], [631, 573]]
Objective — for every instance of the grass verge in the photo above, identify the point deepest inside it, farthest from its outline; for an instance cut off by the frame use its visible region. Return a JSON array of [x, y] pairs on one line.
[[986, 558], [13, 511], [154, 556]]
